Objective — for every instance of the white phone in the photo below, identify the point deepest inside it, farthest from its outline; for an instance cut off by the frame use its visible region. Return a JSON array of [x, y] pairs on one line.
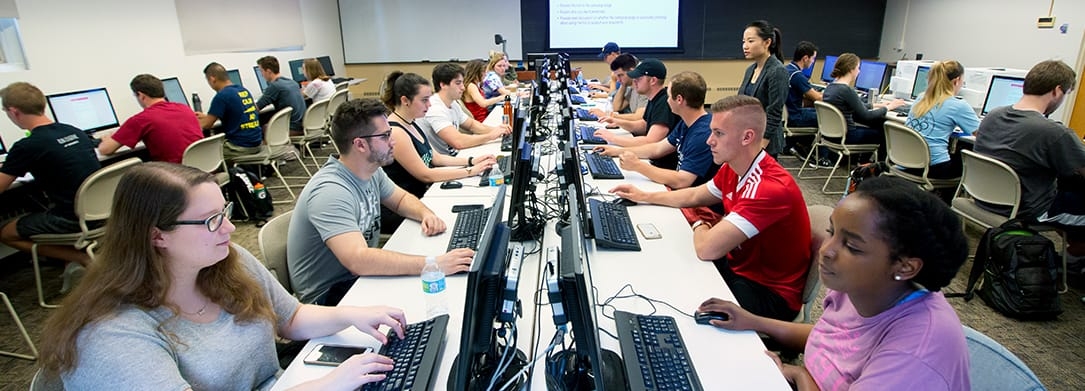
[[332, 355]]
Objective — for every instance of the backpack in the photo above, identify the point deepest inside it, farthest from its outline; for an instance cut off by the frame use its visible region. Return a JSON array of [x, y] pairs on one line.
[[253, 199], [1020, 273], [862, 172]]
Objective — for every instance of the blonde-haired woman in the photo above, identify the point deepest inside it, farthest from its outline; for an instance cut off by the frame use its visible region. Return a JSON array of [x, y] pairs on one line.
[[937, 113], [320, 86], [171, 304], [474, 99], [493, 84]]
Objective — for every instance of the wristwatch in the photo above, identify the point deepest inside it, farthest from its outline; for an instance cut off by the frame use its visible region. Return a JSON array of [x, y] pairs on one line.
[[699, 223], [469, 159]]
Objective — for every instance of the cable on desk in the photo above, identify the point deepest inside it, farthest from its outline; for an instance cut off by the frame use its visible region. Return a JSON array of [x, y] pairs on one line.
[[633, 294]]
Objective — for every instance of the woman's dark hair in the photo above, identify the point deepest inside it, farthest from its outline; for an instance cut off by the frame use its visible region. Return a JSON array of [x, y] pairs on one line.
[[765, 30], [915, 223], [399, 84]]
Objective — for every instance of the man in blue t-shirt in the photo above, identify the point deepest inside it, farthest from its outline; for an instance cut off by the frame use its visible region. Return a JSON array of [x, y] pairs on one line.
[[799, 87], [281, 92], [686, 95], [234, 106]]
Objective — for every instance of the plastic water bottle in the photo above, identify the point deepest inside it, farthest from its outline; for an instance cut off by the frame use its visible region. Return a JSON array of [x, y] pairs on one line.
[[433, 287], [506, 117], [497, 178], [196, 104]]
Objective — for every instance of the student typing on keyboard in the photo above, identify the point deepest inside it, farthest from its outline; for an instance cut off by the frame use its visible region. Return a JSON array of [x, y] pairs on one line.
[[658, 120], [446, 125], [627, 103], [883, 297], [687, 90], [336, 223], [193, 311], [762, 245]]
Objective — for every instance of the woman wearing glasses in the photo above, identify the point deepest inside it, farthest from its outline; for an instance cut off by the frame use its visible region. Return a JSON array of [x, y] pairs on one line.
[[170, 303]]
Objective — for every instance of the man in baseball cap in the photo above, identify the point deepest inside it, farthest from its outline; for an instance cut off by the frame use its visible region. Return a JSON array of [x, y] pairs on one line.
[[610, 50], [658, 120], [609, 53]]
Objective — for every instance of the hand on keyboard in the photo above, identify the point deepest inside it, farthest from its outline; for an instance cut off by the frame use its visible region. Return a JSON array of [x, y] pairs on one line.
[[604, 134], [739, 319], [359, 369], [456, 261], [608, 150]]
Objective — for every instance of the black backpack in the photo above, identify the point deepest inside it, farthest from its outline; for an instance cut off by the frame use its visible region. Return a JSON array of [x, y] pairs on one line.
[[862, 172], [250, 203], [1020, 273]]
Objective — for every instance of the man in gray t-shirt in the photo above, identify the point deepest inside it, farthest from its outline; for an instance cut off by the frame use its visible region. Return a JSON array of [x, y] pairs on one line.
[[447, 125], [281, 92], [336, 223], [1048, 157]]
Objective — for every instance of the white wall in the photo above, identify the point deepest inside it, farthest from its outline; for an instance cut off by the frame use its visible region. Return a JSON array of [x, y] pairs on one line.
[[76, 44], [984, 33]]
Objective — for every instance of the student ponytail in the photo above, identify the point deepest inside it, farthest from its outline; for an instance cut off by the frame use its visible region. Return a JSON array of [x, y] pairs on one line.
[[939, 86], [389, 86]]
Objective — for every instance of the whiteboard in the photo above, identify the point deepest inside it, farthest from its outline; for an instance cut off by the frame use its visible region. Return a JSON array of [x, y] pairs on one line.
[[376, 31]]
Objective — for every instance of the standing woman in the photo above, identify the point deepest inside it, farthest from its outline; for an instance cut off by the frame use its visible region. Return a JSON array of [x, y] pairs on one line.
[[320, 86], [766, 79], [473, 98], [171, 304], [937, 113]]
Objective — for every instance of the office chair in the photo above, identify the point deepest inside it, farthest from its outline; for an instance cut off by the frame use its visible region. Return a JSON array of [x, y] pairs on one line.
[[41, 382], [819, 223], [22, 331], [832, 125], [314, 123], [206, 155], [791, 131], [993, 367], [277, 149], [93, 203], [906, 148], [273, 246]]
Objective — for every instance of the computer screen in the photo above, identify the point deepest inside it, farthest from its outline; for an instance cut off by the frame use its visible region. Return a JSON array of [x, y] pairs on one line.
[[479, 350], [871, 75], [1004, 91], [920, 83], [827, 69], [235, 77], [89, 110], [574, 272], [523, 219], [573, 178], [174, 92], [260, 78], [297, 70], [326, 62], [533, 59]]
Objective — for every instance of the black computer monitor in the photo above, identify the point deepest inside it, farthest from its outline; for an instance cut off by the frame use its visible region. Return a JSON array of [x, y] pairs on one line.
[[919, 85], [871, 75], [524, 220], [1003, 91], [480, 351], [532, 59], [235, 77], [260, 78], [89, 110], [297, 70], [326, 63], [572, 178], [174, 92], [827, 69], [595, 367]]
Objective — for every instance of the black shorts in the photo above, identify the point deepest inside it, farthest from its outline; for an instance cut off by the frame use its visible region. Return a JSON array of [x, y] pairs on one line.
[[45, 223], [754, 297]]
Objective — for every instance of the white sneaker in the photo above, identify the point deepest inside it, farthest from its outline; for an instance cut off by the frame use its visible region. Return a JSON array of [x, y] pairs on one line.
[[73, 273]]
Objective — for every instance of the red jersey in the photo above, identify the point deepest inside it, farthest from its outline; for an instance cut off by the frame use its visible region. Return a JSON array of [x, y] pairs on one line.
[[166, 129]]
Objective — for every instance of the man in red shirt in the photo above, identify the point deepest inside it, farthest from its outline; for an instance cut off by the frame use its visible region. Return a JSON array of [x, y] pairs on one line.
[[166, 128], [762, 244]]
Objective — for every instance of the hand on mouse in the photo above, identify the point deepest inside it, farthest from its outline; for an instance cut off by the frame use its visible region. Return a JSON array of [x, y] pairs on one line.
[[608, 150], [738, 318], [629, 192]]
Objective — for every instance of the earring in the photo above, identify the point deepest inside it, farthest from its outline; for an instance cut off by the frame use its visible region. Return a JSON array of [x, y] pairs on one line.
[[897, 277]]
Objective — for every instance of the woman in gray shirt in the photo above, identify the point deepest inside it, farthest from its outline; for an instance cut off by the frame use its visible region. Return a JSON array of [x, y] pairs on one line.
[[183, 308]]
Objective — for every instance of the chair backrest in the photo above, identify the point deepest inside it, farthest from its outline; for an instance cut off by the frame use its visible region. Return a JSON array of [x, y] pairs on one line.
[[41, 382], [278, 128], [906, 147], [337, 99], [205, 154], [316, 116], [993, 367], [94, 199], [989, 180], [819, 223], [342, 86], [831, 122], [273, 246]]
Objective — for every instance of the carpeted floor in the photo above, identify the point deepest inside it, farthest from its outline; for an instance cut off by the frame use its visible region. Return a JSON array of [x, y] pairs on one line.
[[1055, 350]]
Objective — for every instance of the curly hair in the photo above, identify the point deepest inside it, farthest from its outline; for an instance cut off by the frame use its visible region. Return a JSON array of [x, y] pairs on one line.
[[915, 223]]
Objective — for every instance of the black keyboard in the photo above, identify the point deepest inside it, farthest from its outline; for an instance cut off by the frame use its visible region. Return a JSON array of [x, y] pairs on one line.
[[468, 229], [611, 226], [503, 162], [602, 167], [661, 360], [903, 109], [585, 115], [415, 356], [577, 99], [587, 136]]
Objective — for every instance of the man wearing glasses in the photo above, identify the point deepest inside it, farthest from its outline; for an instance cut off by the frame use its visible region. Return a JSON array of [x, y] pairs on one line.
[[336, 223]]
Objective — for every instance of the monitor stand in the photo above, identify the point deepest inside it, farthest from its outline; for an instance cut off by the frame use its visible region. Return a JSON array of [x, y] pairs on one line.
[[579, 378], [480, 376]]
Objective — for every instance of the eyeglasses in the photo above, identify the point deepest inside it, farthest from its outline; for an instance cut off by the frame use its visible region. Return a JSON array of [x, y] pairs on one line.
[[382, 136], [214, 222]]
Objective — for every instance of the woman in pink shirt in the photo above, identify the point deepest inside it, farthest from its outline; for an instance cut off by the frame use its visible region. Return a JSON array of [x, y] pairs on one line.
[[886, 326]]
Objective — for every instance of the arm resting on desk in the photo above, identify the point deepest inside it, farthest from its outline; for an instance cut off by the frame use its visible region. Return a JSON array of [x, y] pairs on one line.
[[682, 198], [108, 145], [207, 121], [656, 133], [312, 321]]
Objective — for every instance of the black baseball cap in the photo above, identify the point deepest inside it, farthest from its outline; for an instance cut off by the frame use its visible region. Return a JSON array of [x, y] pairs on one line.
[[649, 67]]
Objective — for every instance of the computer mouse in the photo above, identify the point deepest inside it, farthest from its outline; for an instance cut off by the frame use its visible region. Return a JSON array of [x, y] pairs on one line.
[[708, 317], [902, 114], [623, 201], [451, 185]]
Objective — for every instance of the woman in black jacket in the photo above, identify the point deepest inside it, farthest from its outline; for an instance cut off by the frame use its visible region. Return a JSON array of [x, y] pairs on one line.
[[766, 79]]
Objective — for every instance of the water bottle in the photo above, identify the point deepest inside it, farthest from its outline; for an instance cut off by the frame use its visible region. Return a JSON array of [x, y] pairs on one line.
[[497, 178], [507, 117], [196, 104], [433, 287]]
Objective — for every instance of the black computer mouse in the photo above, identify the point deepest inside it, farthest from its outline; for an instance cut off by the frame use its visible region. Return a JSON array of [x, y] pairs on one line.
[[708, 317], [902, 114], [451, 185], [623, 201]]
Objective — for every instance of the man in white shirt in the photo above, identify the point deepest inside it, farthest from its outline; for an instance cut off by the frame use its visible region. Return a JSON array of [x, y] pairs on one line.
[[447, 125]]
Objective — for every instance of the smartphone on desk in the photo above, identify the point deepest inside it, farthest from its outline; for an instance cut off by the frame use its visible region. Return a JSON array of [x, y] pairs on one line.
[[333, 355]]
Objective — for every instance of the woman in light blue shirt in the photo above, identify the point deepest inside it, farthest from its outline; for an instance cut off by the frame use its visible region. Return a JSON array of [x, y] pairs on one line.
[[937, 114]]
